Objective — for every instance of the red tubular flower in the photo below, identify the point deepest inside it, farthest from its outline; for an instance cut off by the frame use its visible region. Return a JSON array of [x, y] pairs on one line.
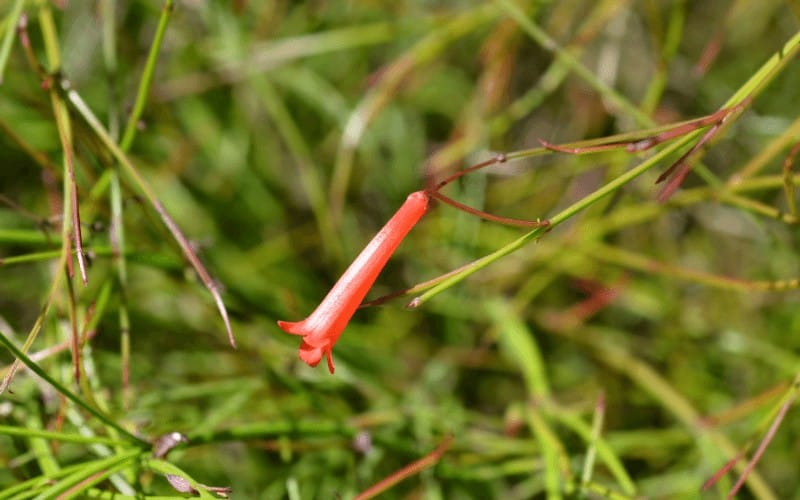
[[322, 328]]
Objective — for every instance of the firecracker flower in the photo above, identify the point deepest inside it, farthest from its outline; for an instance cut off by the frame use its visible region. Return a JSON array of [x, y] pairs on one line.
[[322, 328]]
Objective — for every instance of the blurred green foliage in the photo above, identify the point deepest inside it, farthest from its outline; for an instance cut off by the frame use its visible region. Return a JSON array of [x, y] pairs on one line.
[[659, 339]]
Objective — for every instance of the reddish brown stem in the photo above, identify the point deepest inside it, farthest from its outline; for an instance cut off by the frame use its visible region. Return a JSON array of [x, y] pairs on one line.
[[714, 118], [485, 215], [76, 222], [407, 471], [709, 53], [761, 447], [646, 143], [194, 260], [434, 192], [498, 158], [721, 472], [682, 167]]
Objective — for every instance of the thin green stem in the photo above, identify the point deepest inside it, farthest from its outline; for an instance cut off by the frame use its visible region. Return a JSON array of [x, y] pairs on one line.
[[553, 453], [11, 33], [147, 77], [546, 42], [71, 211], [117, 230], [34, 367], [119, 255], [591, 452], [591, 435], [556, 72], [519, 342], [50, 37], [40, 447], [91, 473], [638, 262], [28, 432], [669, 48], [265, 430]]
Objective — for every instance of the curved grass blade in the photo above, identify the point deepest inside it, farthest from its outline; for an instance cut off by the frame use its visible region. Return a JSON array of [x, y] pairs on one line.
[[90, 474], [8, 40], [128, 167], [106, 419]]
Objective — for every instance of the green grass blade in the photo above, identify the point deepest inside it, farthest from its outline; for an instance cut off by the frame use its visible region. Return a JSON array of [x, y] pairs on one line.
[[106, 419]]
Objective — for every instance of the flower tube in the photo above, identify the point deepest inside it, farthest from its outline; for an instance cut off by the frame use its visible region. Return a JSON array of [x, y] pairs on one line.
[[322, 328]]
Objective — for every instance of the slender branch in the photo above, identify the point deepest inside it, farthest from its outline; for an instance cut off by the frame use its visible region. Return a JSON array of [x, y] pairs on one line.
[[147, 77], [484, 215]]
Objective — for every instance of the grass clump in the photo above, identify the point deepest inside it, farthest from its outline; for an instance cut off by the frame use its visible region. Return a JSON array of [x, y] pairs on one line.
[[174, 172]]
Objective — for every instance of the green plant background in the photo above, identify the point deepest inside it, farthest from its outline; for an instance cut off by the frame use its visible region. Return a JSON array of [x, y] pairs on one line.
[[632, 350]]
